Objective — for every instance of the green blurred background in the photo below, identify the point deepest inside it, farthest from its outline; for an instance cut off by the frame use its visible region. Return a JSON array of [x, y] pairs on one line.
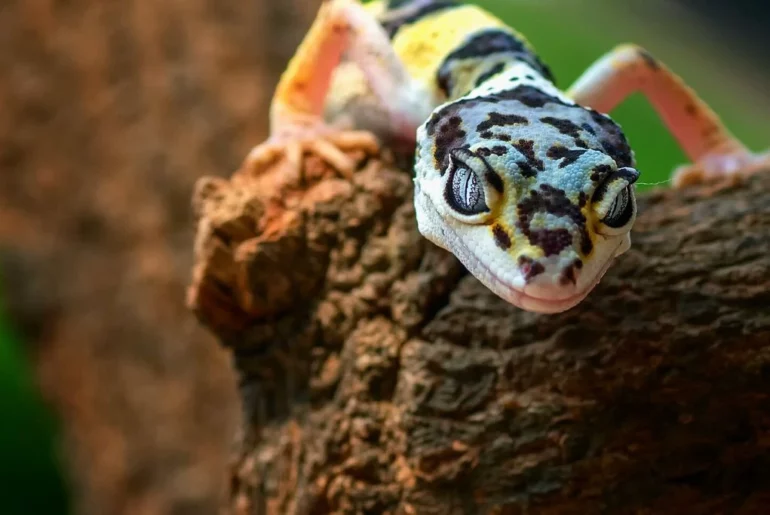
[[30, 478], [569, 35]]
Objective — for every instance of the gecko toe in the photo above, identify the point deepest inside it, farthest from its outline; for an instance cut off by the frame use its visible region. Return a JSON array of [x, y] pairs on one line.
[[727, 167], [330, 145], [334, 156], [350, 140]]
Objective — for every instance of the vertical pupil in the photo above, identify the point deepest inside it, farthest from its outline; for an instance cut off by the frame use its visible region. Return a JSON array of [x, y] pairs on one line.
[[464, 191], [619, 213], [621, 202], [468, 188]]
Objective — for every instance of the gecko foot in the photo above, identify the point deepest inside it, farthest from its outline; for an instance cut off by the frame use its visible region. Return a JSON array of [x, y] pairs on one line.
[[726, 166], [326, 142]]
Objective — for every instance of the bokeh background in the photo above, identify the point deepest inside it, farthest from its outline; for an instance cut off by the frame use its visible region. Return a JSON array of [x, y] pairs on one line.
[[112, 399]]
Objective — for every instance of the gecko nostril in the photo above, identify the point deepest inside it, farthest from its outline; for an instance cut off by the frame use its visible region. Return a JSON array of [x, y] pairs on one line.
[[530, 268], [570, 273]]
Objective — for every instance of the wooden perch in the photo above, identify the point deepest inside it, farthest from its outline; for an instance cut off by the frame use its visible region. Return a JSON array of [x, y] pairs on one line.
[[378, 376]]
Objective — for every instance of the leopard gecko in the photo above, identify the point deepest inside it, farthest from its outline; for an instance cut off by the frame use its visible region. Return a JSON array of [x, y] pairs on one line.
[[529, 186]]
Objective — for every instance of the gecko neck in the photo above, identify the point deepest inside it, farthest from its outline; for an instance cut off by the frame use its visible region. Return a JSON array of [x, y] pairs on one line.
[[459, 75], [488, 79]]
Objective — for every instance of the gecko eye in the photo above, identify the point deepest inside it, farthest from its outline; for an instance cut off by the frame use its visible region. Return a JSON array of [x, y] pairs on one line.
[[464, 189], [616, 205], [621, 210], [466, 196]]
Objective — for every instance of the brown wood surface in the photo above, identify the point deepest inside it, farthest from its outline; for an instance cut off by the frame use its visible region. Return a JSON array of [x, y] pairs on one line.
[[377, 376]]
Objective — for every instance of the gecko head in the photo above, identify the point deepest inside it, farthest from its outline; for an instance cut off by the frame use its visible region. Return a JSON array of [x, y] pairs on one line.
[[535, 196]]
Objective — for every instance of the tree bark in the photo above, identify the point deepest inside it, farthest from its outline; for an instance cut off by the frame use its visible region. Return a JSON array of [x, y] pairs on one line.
[[378, 376]]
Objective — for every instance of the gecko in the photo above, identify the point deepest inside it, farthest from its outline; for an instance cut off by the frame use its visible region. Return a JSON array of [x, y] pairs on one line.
[[530, 186]]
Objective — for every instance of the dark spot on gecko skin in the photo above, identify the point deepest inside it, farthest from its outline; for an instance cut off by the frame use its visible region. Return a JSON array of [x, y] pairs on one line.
[[552, 241], [563, 126], [487, 42], [600, 172], [490, 175], [444, 83], [568, 156], [497, 150], [582, 199], [710, 129], [494, 180], [502, 239], [438, 116], [530, 268], [392, 26], [527, 170], [484, 77], [609, 137], [530, 96], [566, 127], [340, 27], [586, 245], [450, 135], [691, 110], [532, 164], [529, 77], [501, 120], [649, 59], [613, 140], [569, 274], [481, 46], [554, 201], [499, 137], [527, 95]]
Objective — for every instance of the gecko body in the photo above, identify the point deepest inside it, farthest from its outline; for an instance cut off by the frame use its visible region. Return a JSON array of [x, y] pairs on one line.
[[531, 187]]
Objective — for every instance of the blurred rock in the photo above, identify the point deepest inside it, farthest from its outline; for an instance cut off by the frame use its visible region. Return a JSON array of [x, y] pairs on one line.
[[111, 111]]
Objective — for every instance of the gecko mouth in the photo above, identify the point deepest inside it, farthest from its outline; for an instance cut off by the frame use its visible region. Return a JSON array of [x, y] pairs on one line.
[[518, 297], [545, 305]]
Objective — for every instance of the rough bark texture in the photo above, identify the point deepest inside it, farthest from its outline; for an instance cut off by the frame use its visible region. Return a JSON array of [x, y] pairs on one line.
[[377, 376], [110, 112]]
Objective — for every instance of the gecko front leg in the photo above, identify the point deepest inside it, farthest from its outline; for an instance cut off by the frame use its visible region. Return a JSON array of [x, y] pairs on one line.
[[628, 69], [342, 27]]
